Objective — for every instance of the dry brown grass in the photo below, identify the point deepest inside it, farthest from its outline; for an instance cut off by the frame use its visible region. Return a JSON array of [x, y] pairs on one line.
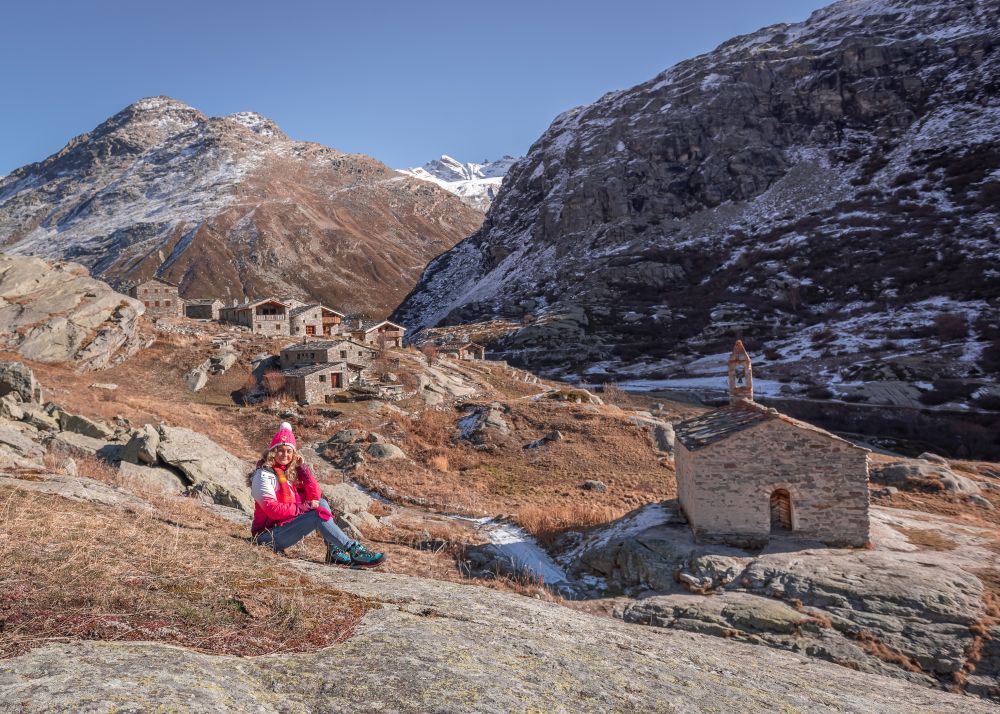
[[546, 524], [193, 581], [438, 463], [928, 538], [598, 443], [875, 647]]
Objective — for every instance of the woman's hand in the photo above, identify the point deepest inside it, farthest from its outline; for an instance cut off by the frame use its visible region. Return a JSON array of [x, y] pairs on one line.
[[314, 504]]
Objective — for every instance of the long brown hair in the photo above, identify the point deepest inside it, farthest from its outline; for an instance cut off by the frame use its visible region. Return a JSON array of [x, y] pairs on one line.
[[266, 461]]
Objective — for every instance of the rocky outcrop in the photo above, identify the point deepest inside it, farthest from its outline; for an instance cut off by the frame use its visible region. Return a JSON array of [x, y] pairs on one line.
[[898, 610], [725, 196], [350, 449], [54, 312], [484, 424], [229, 207], [209, 469], [18, 380], [351, 508], [450, 647], [922, 474]]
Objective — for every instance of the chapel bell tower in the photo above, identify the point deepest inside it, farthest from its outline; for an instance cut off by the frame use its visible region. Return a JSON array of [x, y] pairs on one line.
[[740, 374]]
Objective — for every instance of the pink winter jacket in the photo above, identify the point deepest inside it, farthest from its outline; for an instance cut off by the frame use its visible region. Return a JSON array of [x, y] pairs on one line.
[[268, 511]]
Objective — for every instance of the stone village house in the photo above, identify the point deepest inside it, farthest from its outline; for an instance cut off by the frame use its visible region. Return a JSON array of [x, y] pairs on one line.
[[379, 333], [202, 309], [313, 383], [746, 472], [160, 297], [326, 351], [467, 351], [267, 316], [315, 370], [315, 319]]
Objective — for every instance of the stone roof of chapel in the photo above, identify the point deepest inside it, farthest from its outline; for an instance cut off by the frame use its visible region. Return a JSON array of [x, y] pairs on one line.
[[719, 424]]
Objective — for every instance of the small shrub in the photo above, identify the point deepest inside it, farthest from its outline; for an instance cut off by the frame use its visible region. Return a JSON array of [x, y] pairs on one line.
[[438, 463], [947, 390], [274, 382], [430, 353], [819, 393], [951, 326]]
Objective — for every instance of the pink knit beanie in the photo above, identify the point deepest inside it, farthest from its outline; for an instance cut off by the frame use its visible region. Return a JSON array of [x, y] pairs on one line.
[[284, 436]]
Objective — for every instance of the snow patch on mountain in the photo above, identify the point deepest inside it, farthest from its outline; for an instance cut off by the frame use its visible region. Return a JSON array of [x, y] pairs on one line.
[[477, 184]]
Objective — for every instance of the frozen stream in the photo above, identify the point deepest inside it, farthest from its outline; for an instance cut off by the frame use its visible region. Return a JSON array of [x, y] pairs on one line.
[[511, 542], [525, 554]]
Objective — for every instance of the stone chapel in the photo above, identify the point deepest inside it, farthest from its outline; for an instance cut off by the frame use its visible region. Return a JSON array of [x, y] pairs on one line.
[[746, 473]]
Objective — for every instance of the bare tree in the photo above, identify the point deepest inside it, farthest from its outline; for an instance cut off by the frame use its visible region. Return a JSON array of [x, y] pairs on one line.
[[430, 352]]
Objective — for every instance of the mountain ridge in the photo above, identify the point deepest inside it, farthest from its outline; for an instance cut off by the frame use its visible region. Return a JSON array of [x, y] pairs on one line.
[[724, 197], [228, 207]]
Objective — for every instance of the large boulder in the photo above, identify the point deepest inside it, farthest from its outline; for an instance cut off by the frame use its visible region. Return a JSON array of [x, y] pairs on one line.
[[141, 447], [919, 474], [210, 469], [385, 452], [10, 407], [196, 378], [21, 439], [83, 425], [55, 312], [484, 424], [350, 506], [17, 379]]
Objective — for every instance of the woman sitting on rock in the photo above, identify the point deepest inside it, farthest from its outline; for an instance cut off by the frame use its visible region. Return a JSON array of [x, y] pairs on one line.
[[289, 505]]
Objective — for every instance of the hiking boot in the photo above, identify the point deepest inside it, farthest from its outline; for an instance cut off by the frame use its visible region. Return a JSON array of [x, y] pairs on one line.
[[336, 556], [363, 557]]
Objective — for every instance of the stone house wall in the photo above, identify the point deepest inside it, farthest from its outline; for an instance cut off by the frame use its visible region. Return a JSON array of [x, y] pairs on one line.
[[160, 299], [311, 318], [725, 488], [316, 387], [203, 311]]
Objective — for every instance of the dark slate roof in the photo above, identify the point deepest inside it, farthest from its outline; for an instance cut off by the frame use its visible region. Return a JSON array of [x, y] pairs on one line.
[[718, 424], [299, 310], [459, 345], [326, 345], [368, 325], [314, 345], [311, 368]]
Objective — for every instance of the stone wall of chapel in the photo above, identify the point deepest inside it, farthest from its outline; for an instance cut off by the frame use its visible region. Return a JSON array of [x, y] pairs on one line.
[[725, 488]]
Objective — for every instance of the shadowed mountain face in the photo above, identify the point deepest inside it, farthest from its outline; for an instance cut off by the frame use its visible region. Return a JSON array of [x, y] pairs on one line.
[[823, 188], [229, 207]]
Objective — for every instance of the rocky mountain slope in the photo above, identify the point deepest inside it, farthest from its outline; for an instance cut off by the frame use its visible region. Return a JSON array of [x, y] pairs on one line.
[[229, 207], [57, 313], [477, 184], [828, 189]]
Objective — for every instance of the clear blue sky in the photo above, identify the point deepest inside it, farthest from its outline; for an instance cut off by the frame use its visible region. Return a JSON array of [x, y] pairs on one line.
[[403, 81]]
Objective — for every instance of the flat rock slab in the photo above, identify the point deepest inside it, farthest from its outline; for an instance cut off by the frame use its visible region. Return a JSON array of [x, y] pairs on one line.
[[443, 647], [76, 488], [15, 438], [151, 477]]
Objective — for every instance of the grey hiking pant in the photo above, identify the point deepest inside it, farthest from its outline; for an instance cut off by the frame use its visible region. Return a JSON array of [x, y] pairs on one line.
[[288, 534]]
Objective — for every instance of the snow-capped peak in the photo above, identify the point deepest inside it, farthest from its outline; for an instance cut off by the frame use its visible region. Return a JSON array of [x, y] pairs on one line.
[[477, 183]]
